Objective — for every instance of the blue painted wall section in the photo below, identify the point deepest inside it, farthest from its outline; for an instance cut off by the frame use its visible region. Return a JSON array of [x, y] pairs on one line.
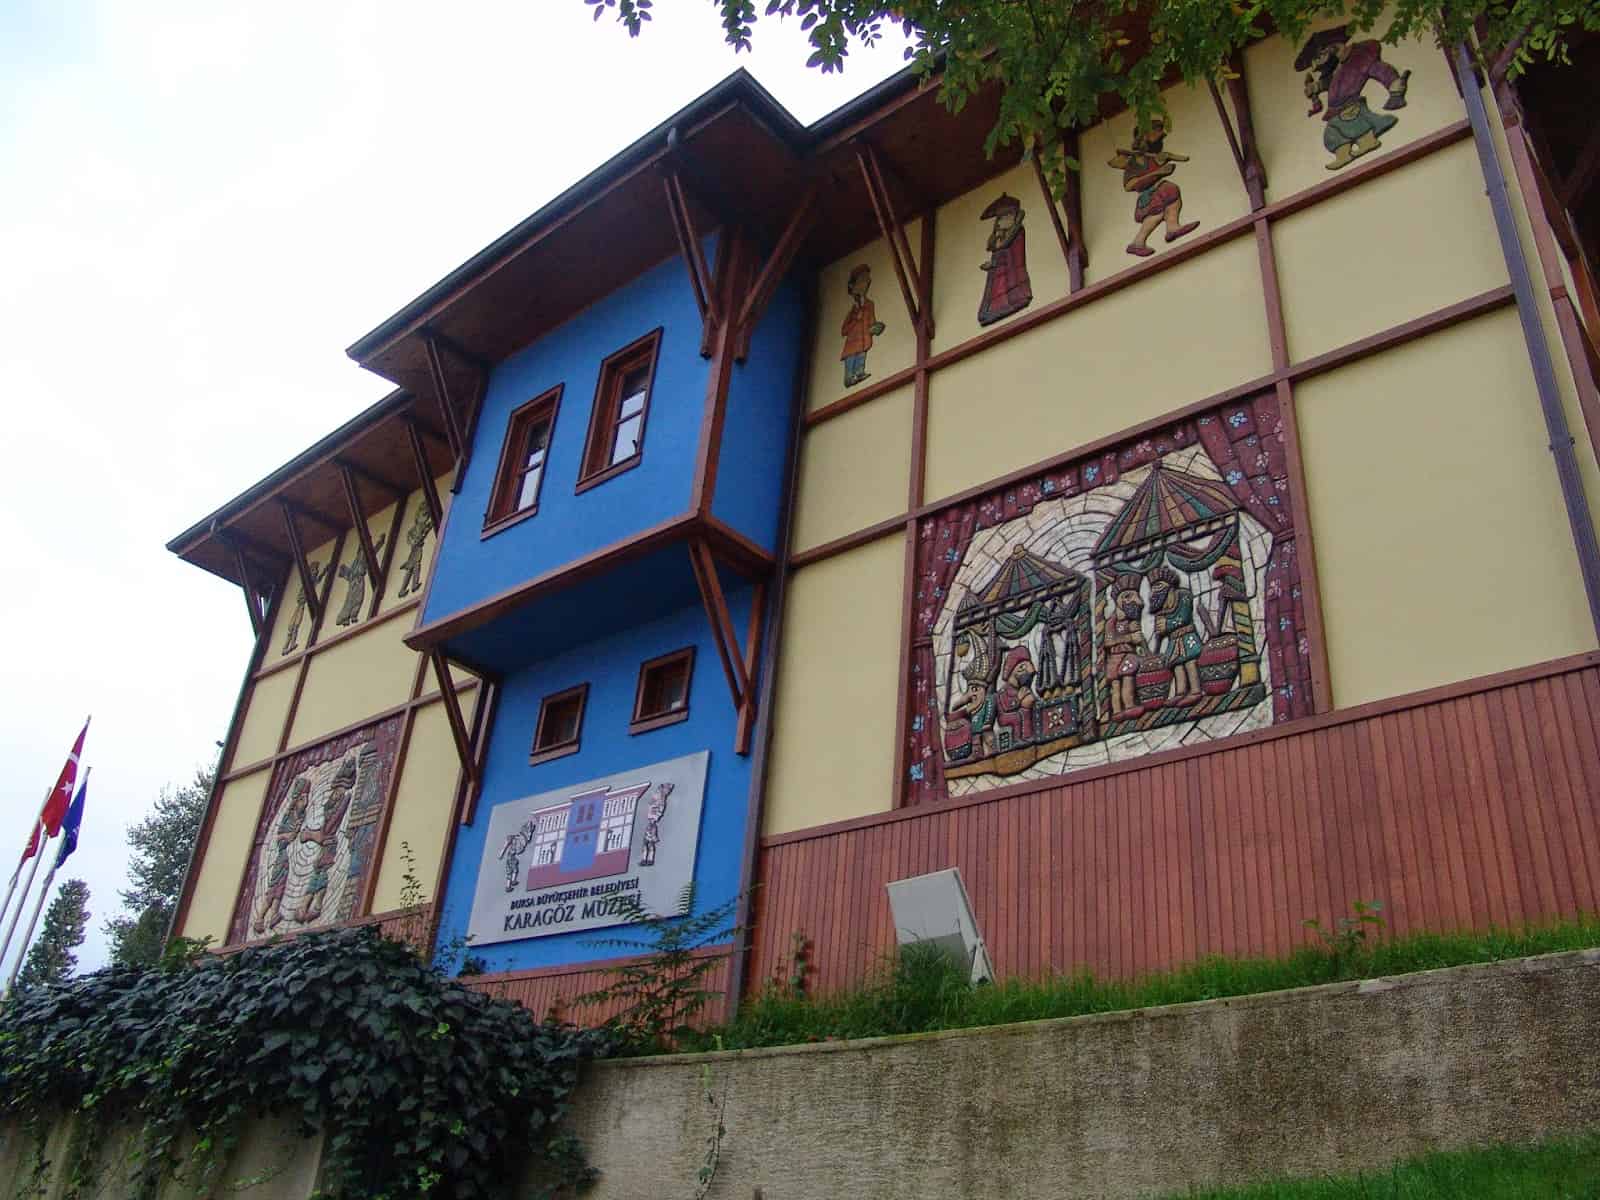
[[570, 525], [611, 667], [760, 422]]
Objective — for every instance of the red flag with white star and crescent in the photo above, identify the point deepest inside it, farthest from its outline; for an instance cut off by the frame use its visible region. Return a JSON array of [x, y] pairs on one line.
[[55, 808]]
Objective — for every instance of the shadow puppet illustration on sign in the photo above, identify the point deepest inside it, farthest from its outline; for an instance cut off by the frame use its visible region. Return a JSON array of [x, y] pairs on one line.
[[860, 326], [1006, 288], [1341, 69], [1146, 169]]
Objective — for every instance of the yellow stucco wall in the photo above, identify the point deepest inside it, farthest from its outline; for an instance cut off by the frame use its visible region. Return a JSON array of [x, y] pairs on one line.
[[233, 829], [1185, 334], [892, 350], [1291, 142], [961, 248], [1442, 545], [854, 470], [1392, 249], [833, 715], [422, 805], [1209, 183], [1584, 447], [263, 720], [356, 678]]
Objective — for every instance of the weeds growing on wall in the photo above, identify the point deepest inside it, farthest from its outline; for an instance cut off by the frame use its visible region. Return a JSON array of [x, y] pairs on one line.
[[420, 1086], [655, 997], [920, 990]]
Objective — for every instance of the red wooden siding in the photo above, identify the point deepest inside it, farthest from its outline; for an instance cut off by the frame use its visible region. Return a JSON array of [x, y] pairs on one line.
[[552, 991], [1467, 806]]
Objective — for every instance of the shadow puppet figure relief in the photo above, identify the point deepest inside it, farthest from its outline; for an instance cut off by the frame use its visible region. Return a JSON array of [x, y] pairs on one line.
[[860, 326], [1146, 169], [1007, 288], [1341, 69]]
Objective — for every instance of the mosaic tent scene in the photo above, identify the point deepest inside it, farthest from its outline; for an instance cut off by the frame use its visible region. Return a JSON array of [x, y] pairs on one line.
[[1136, 602]]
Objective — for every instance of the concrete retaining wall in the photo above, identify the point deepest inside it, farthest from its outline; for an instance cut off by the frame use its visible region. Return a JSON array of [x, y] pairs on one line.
[[1121, 1105]]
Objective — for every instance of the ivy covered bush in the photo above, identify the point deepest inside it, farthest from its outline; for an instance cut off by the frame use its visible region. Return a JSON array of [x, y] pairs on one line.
[[420, 1086]]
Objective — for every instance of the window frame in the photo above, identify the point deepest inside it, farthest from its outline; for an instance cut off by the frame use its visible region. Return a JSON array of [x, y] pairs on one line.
[[512, 467], [604, 416], [536, 754], [640, 723]]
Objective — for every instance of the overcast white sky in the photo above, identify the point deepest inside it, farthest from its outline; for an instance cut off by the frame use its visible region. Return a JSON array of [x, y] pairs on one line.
[[202, 202]]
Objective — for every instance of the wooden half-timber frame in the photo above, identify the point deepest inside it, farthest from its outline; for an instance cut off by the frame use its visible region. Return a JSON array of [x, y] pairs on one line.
[[1232, 105]]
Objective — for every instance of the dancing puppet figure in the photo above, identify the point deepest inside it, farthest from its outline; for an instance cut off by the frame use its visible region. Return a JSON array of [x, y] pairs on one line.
[[1341, 69], [1146, 170]]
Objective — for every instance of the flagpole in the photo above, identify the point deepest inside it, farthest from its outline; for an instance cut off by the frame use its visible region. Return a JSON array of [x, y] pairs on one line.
[[42, 833], [44, 838], [22, 953], [69, 842], [17, 874]]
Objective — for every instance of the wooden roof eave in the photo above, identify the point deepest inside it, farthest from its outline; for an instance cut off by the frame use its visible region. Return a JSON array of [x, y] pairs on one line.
[[374, 448]]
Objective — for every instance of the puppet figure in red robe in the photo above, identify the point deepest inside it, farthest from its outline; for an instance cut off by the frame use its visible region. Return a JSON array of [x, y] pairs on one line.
[[1008, 289]]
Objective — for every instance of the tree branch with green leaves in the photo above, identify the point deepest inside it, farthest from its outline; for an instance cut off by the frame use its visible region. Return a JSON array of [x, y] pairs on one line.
[[1057, 61]]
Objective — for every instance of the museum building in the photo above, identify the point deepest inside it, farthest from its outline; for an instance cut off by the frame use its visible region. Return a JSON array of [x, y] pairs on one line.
[[790, 510]]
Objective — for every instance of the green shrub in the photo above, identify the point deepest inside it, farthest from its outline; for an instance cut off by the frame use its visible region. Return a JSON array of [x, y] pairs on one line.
[[420, 1085]]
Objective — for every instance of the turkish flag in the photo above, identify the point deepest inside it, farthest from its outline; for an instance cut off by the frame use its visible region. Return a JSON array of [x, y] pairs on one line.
[[55, 808]]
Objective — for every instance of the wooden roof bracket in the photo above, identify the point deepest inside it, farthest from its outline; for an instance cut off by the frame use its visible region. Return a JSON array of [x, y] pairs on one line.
[[333, 527], [893, 230], [452, 712], [308, 580], [773, 270], [1577, 183], [363, 535], [1067, 216], [396, 489], [253, 598], [689, 243], [1241, 131], [739, 666], [441, 388], [419, 455], [459, 427]]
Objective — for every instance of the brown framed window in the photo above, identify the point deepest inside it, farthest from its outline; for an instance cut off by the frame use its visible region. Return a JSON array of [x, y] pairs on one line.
[[560, 723], [662, 696], [621, 404], [524, 457]]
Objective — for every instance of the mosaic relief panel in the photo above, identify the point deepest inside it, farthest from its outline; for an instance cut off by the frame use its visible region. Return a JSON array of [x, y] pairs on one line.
[[1141, 600], [314, 845]]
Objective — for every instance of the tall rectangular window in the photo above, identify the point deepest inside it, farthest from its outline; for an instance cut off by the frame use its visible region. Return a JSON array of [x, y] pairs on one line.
[[621, 404], [524, 456]]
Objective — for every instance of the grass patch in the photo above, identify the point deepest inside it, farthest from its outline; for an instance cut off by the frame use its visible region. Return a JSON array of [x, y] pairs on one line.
[[919, 991], [1555, 1170]]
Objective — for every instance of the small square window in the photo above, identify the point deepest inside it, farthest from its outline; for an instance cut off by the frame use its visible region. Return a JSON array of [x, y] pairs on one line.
[[523, 458], [662, 697], [621, 403], [560, 722]]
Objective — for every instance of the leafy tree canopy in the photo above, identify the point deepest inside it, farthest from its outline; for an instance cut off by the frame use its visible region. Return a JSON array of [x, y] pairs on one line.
[[51, 961], [1056, 59], [160, 847]]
